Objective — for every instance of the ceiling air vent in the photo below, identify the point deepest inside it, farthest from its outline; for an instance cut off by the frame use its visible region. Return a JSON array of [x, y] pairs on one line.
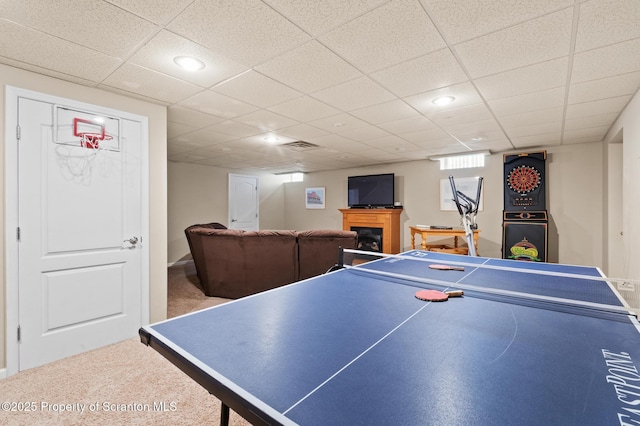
[[300, 145]]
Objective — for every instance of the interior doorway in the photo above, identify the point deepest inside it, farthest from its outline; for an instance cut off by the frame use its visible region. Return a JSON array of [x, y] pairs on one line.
[[243, 202]]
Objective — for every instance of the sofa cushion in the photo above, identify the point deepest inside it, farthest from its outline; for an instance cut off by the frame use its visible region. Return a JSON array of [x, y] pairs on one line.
[[318, 250]]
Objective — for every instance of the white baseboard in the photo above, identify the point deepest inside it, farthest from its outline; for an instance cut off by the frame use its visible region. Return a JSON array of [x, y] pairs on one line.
[[3, 373]]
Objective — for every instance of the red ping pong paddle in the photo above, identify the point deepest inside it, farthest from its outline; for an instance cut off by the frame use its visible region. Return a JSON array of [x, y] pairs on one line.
[[438, 296], [447, 267]]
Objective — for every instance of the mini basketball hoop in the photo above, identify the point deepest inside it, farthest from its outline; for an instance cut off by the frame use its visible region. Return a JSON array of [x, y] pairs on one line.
[[90, 140]]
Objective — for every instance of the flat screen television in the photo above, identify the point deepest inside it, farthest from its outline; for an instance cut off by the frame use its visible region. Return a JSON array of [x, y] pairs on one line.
[[371, 191]]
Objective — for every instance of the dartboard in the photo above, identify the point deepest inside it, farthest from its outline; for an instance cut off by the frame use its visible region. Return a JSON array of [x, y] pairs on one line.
[[523, 179]]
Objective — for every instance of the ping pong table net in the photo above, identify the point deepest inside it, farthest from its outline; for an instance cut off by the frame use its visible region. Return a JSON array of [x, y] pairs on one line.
[[578, 293]]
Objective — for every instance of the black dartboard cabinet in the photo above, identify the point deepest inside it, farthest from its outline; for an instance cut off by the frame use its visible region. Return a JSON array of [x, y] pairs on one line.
[[524, 229]]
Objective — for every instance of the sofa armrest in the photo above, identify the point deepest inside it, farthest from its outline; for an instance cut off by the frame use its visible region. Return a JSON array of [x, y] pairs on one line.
[[318, 250], [187, 233]]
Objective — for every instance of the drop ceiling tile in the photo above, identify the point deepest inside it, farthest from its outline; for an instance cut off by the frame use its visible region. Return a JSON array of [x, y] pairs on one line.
[[391, 143], [352, 146], [354, 94], [146, 82], [256, 89], [309, 68], [235, 129], [395, 32], [302, 132], [606, 61], [186, 157], [364, 133], [532, 118], [477, 138], [464, 115], [531, 42], [470, 129], [157, 11], [533, 130], [158, 54], [591, 134], [432, 71], [317, 17], [330, 141], [409, 125], [605, 120], [424, 136], [132, 95], [240, 146], [46, 71], [598, 27], [304, 108], [602, 106], [380, 155], [213, 103], [249, 31], [533, 78], [34, 47], [451, 144], [266, 120], [462, 20], [94, 24], [386, 112], [528, 102], [624, 84], [268, 140], [200, 138], [538, 140], [173, 149], [338, 123], [464, 93], [182, 115]]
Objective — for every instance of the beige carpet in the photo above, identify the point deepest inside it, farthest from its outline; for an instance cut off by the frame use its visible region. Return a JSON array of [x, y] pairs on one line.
[[125, 383]]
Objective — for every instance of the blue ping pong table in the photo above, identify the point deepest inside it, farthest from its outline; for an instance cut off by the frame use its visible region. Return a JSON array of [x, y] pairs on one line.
[[537, 344]]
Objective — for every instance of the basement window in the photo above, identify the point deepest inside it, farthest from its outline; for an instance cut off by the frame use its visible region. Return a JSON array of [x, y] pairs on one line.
[[292, 177], [467, 161]]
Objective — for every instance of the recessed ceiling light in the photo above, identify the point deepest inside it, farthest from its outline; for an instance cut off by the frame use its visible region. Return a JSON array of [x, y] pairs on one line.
[[271, 139], [477, 139], [188, 63], [443, 100]]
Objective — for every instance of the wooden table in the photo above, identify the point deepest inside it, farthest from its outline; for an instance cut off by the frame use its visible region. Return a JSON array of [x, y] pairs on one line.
[[425, 233]]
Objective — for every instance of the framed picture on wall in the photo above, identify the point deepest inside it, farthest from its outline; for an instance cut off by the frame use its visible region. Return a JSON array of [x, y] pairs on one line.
[[314, 198], [468, 186]]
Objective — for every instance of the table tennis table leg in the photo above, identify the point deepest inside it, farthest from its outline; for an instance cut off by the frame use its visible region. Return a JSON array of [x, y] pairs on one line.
[[224, 415]]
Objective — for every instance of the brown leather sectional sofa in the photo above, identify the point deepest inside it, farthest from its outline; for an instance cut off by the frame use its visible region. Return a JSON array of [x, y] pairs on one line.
[[234, 263]]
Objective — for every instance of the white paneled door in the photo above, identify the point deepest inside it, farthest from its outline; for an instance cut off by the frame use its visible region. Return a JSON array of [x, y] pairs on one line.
[[243, 202], [80, 229]]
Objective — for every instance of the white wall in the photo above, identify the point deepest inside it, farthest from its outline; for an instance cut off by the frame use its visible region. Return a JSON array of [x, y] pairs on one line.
[[157, 176], [199, 194], [629, 125], [574, 188]]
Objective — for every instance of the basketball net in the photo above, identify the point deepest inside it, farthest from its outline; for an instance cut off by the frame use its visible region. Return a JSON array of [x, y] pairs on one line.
[[80, 160]]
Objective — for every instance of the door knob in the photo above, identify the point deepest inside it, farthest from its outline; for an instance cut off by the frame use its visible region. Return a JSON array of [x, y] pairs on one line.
[[133, 241]]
